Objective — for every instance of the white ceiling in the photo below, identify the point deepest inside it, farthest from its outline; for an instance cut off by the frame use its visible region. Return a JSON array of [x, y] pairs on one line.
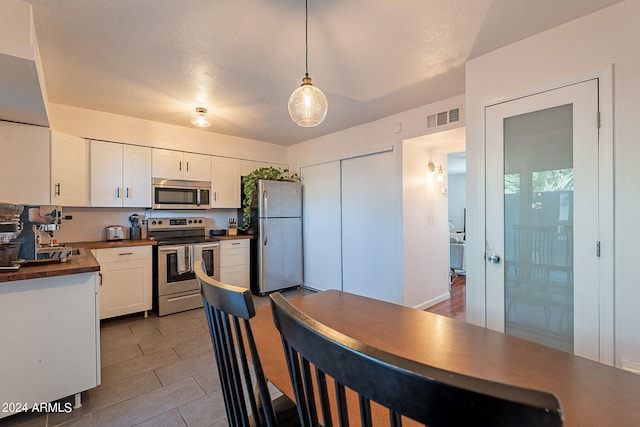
[[159, 59]]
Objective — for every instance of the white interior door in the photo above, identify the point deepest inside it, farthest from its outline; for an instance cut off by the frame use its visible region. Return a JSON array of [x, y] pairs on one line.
[[369, 227], [542, 218], [322, 226]]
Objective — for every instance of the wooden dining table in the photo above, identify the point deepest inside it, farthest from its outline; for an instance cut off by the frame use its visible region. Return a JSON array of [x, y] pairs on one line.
[[591, 393]]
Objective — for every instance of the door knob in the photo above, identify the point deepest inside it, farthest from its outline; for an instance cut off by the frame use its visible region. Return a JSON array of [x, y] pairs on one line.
[[493, 258]]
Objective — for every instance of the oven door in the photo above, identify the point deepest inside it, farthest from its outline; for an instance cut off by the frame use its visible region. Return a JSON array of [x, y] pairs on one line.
[[175, 266], [210, 253]]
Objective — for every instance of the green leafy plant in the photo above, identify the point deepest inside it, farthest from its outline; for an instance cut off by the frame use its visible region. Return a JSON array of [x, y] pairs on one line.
[[249, 188]]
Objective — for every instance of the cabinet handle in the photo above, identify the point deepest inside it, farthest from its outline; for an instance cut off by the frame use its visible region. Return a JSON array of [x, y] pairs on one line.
[[128, 193], [236, 243], [57, 189], [187, 166], [100, 274], [117, 192], [180, 167], [126, 253], [215, 196]]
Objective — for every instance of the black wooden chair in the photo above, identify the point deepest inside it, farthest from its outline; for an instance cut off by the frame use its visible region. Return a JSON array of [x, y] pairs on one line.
[[316, 354], [228, 310]]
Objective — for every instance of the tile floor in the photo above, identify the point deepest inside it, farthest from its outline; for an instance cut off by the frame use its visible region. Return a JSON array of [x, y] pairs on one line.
[[156, 371]]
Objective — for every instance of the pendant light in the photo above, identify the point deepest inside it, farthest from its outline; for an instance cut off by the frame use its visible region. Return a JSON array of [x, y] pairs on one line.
[[307, 104], [199, 118]]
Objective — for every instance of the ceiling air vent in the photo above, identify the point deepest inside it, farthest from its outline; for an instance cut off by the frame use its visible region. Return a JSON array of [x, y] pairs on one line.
[[443, 118]]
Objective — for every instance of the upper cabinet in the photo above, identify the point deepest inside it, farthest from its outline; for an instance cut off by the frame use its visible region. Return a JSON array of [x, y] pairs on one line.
[[170, 164], [120, 175], [25, 164], [225, 182], [69, 171]]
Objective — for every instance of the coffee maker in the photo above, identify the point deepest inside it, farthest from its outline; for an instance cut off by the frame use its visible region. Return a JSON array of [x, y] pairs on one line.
[[10, 228]]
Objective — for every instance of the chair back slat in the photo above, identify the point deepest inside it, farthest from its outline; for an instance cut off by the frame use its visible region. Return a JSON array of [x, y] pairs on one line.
[[428, 395], [244, 386]]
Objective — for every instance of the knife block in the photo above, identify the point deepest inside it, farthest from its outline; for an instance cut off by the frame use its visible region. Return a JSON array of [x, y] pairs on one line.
[[233, 230]]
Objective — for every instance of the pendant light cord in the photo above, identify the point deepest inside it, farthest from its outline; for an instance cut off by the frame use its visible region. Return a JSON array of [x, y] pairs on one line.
[[306, 36]]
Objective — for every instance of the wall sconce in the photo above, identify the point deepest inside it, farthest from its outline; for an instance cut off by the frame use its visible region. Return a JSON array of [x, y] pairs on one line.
[[439, 171]]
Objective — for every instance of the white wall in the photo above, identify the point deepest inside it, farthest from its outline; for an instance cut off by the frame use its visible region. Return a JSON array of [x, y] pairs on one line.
[[581, 47], [419, 290], [425, 229], [116, 128]]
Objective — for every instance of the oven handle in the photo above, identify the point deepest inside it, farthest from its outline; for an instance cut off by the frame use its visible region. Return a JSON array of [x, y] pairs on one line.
[[169, 248], [198, 202], [208, 246]]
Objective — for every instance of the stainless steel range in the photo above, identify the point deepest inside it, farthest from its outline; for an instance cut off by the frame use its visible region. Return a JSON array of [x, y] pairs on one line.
[[182, 243]]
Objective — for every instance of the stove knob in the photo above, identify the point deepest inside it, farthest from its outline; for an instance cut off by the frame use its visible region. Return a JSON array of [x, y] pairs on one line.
[[160, 222], [190, 221], [200, 221], [153, 222]]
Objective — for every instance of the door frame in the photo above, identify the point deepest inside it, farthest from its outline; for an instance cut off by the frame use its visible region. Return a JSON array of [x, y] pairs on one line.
[[476, 264]]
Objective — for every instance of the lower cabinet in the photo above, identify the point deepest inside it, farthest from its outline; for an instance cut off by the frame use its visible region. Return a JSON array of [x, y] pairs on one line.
[[234, 262], [126, 280], [50, 341]]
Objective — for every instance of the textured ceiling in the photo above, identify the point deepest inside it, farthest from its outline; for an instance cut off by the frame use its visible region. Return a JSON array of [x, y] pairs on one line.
[[159, 59]]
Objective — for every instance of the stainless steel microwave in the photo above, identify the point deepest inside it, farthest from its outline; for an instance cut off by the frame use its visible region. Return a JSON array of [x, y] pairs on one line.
[[177, 194]]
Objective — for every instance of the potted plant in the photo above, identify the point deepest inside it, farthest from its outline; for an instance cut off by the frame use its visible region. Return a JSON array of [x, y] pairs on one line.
[[249, 186]]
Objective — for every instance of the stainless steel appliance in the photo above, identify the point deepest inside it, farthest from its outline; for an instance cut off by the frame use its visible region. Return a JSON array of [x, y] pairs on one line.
[[176, 194], [182, 243], [278, 246], [114, 232]]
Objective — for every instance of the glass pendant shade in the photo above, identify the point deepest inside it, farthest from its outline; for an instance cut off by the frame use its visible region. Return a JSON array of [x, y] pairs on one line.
[[307, 105], [199, 118]]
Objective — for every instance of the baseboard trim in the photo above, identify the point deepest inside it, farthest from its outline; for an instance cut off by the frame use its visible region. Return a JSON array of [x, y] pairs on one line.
[[433, 301]]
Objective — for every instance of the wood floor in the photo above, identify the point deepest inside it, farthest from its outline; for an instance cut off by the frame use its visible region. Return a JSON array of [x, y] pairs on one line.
[[455, 306]]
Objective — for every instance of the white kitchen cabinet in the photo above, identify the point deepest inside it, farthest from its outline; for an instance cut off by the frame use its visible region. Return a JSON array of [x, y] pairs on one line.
[[234, 262], [25, 164], [69, 170], [170, 164], [120, 175], [126, 280], [50, 339], [225, 182]]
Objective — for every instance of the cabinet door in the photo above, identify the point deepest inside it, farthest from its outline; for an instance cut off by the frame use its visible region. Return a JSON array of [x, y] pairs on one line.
[[106, 174], [69, 170], [126, 282], [136, 176], [225, 182], [167, 164], [197, 167], [24, 164]]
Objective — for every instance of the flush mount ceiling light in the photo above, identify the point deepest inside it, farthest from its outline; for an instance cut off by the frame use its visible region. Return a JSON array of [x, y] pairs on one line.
[[307, 104], [199, 118]]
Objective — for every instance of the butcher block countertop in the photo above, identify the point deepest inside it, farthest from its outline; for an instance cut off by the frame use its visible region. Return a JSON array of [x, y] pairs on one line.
[[82, 263]]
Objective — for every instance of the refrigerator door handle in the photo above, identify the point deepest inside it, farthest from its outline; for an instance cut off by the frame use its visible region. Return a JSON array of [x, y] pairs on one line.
[[266, 215]]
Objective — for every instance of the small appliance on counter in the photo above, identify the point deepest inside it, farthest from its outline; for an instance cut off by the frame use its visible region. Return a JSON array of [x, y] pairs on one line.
[[114, 232], [135, 231], [10, 228]]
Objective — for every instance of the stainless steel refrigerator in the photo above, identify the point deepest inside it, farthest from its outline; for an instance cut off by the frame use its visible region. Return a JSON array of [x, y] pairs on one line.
[[278, 240]]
